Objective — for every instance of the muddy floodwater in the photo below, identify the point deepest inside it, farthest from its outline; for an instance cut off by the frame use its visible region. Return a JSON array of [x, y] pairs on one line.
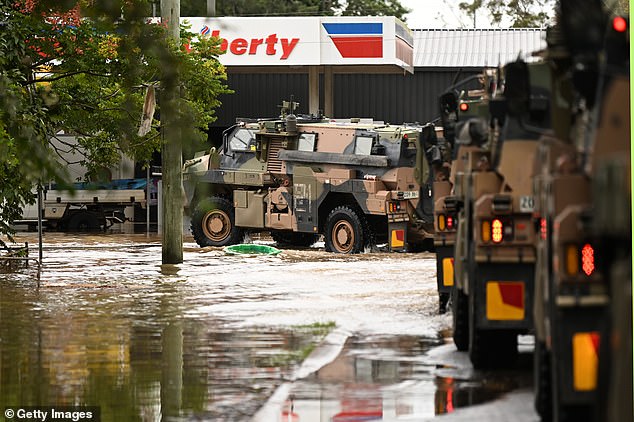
[[219, 336]]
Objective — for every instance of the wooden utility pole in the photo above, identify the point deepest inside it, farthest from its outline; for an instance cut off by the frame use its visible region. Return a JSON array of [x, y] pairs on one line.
[[172, 150]]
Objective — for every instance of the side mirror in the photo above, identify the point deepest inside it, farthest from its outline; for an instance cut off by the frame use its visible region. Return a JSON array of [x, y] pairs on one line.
[[449, 115], [517, 88], [448, 104]]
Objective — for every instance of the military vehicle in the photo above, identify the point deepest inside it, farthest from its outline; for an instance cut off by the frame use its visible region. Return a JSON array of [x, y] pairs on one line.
[[494, 254], [582, 308], [357, 183], [459, 113]]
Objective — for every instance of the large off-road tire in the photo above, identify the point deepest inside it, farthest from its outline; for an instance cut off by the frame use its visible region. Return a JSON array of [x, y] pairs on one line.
[[286, 238], [460, 311], [542, 381], [84, 221], [213, 223], [346, 231]]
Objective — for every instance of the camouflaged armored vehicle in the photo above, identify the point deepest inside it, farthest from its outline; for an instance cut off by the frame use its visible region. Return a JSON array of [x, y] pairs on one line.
[[460, 110], [582, 185], [356, 183], [494, 253]]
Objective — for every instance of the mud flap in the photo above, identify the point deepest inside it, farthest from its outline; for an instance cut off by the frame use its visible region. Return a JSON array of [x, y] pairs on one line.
[[444, 268], [575, 355], [397, 236]]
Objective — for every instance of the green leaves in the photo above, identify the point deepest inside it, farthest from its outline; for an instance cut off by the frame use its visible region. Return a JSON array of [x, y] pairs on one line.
[[87, 77], [520, 13]]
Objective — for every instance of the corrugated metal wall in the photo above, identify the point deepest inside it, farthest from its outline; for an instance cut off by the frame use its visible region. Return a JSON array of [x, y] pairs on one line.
[[392, 98], [258, 95]]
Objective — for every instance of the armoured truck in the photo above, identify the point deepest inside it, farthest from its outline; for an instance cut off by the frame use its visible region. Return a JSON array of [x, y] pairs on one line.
[[494, 254], [582, 308], [357, 183], [459, 109]]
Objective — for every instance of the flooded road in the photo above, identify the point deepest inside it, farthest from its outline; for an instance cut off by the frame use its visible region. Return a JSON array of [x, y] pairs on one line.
[[217, 337]]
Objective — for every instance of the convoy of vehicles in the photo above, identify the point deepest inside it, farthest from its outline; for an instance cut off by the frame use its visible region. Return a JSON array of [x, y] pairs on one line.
[[355, 183], [523, 191], [543, 194], [584, 266]]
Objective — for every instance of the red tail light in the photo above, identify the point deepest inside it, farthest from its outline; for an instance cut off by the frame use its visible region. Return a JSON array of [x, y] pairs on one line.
[[587, 259], [543, 231], [449, 222], [619, 24], [464, 107]]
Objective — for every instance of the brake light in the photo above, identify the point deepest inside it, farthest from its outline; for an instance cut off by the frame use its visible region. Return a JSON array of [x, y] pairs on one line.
[[486, 231], [580, 259], [587, 259], [497, 230], [464, 107], [450, 222], [394, 206], [543, 230], [619, 24], [441, 222]]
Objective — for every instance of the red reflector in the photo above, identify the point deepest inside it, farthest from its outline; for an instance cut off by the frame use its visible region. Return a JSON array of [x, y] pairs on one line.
[[619, 24], [496, 231], [464, 106], [449, 223], [587, 259]]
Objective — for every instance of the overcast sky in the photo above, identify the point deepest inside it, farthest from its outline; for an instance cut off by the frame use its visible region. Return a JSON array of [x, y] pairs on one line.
[[443, 14], [434, 14]]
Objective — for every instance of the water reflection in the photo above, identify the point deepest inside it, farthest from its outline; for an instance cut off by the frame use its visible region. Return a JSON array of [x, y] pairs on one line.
[[120, 336], [387, 379], [212, 339]]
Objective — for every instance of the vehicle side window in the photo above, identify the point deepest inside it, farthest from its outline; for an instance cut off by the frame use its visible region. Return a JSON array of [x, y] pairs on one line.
[[363, 145], [307, 142], [242, 140]]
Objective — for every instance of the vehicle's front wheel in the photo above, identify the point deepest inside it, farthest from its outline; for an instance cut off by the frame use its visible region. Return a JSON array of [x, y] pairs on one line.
[[213, 223], [345, 231]]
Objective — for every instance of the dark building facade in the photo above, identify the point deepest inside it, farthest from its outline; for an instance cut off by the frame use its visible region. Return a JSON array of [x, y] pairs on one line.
[[441, 57]]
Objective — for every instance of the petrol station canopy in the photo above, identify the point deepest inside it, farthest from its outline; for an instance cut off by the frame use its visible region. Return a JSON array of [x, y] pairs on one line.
[[348, 43]]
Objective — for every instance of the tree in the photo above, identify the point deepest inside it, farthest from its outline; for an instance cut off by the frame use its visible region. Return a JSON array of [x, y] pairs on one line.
[[87, 76], [375, 8], [519, 13], [297, 8]]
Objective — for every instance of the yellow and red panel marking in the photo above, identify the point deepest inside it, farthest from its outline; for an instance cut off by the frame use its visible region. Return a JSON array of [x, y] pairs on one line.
[[447, 271], [398, 238], [585, 360], [505, 300]]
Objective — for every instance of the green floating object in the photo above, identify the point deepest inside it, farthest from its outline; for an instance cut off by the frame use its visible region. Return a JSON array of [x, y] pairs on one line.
[[251, 249]]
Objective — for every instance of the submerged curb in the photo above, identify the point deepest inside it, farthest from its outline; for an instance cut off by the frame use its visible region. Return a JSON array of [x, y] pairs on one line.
[[326, 352]]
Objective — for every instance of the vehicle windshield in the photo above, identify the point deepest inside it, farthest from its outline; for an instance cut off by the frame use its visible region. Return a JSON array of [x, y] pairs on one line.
[[242, 140]]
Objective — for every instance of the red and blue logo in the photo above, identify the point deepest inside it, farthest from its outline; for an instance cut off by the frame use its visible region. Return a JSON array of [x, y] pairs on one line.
[[356, 40]]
